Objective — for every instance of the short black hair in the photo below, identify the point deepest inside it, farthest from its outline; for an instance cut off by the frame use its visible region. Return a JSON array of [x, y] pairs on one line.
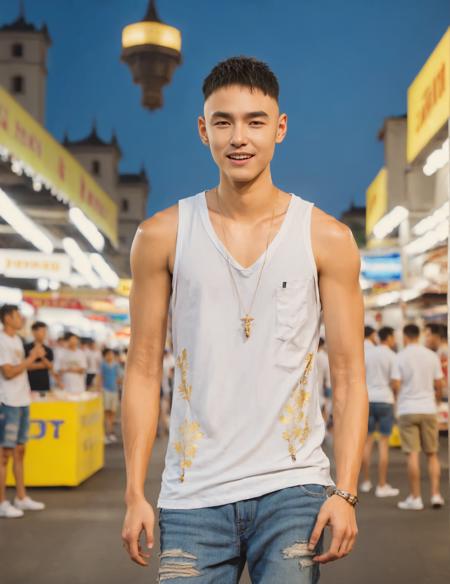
[[444, 332], [69, 335], [368, 331], [7, 309], [411, 331], [37, 325], [246, 71], [434, 328], [107, 350], [385, 332]]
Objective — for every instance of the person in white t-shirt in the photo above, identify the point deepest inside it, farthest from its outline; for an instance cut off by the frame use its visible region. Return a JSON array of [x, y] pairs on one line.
[[15, 399], [94, 361], [72, 366], [379, 361], [417, 377]]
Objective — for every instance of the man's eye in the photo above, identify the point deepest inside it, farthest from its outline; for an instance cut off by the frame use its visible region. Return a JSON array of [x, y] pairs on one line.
[[221, 124], [256, 123]]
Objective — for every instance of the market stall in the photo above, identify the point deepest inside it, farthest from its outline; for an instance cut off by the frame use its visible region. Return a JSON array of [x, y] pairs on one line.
[[66, 441]]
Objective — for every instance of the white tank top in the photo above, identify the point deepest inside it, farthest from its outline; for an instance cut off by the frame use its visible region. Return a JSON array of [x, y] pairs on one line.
[[246, 416]]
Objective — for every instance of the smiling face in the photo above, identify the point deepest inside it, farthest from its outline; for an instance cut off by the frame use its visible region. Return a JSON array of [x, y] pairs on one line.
[[241, 127]]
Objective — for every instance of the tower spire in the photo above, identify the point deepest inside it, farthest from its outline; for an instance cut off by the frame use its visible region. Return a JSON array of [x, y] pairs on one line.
[[151, 13], [22, 9]]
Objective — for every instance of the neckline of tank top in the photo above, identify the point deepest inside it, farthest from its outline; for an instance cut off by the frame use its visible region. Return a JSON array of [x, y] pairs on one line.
[[207, 223]]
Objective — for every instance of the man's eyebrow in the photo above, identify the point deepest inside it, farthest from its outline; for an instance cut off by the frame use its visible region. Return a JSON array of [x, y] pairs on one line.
[[228, 116]]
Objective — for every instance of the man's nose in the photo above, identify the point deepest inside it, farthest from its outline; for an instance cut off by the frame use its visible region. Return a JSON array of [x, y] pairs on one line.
[[238, 137]]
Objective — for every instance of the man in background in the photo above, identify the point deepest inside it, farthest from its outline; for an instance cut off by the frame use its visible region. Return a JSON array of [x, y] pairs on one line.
[[94, 360], [436, 340], [72, 365], [15, 399], [379, 365], [110, 374], [39, 371], [417, 377]]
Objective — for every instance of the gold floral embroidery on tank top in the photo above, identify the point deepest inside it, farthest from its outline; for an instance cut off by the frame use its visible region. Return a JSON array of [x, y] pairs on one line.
[[189, 432], [293, 413]]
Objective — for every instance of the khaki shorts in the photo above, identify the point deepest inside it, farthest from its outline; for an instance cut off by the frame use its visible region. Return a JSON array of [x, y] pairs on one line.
[[419, 432], [110, 400]]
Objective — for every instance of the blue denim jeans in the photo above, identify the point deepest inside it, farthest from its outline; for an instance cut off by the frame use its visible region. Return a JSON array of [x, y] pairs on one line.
[[14, 424], [211, 545]]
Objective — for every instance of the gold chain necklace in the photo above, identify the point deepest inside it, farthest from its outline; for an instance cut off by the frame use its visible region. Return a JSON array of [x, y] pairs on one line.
[[247, 318]]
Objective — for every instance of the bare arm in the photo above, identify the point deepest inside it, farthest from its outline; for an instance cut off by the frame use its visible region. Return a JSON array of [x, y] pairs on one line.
[[10, 371], [149, 303], [338, 262], [439, 385]]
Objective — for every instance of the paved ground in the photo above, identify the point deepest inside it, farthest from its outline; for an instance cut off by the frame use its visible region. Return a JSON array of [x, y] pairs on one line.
[[77, 539]]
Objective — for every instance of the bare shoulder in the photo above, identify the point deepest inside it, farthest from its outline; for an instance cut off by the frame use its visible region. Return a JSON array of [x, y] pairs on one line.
[[161, 225], [332, 240], [156, 236]]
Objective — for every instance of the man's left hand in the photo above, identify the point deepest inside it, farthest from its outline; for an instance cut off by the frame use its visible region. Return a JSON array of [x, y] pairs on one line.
[[341, 517]]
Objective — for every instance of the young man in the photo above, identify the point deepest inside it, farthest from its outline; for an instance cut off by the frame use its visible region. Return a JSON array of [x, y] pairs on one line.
[[417, 376], [436, 340], [379, 363], [39, 371], [72, 365], [245, 477], [109, 382], [15, 399], [94, 361]]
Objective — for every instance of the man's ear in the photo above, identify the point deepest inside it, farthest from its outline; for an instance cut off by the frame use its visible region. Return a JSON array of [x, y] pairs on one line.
[[282, 128], [202, 130]]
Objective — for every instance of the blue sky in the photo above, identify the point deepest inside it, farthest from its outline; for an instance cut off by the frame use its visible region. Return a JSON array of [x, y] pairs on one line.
[[342, 66]]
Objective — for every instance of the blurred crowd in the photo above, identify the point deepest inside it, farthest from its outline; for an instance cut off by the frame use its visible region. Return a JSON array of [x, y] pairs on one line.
[[407, 383]]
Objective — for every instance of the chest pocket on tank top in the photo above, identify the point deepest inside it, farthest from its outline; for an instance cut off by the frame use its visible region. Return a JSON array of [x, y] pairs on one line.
[[291, 307]]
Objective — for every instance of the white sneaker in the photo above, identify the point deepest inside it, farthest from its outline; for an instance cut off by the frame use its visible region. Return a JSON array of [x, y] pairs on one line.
[[386, 491], [9, 511], [365, 487], [112, 438], [107, 440], [411, 504], [28, 504], [437, 501]]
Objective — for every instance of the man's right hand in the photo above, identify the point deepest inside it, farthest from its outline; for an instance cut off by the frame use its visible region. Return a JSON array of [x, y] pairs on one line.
[[37, 352], [139, 517]]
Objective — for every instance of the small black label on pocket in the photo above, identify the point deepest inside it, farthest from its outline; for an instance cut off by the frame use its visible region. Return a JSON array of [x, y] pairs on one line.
[[284, 285]]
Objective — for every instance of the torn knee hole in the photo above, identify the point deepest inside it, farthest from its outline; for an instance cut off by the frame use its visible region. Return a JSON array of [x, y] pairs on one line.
[[300, 551], [177, 563]]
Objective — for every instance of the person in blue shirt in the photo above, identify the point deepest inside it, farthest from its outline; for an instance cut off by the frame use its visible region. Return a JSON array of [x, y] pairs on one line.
[[110, 377]]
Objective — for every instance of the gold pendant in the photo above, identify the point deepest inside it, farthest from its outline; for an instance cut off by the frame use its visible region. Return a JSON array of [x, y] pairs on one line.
[[247, 320]]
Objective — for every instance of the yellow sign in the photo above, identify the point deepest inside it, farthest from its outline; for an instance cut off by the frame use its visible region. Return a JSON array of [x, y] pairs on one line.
[[124, 287], [429, 99], [66, 443], [29, 142], [376, 200]]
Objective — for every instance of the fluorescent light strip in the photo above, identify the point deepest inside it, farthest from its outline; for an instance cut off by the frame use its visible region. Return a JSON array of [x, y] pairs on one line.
[[430, 222], [24, 226], [81, 262], [87, 228], [437, 159], [390, 221], [429, 239], [104, 270]]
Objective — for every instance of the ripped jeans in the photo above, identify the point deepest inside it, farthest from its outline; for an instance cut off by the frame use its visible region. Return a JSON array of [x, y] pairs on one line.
[[211, 545]]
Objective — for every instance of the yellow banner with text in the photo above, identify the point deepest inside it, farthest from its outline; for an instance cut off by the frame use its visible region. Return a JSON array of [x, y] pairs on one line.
[[429, 99], [30, 143], [376, 200]]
